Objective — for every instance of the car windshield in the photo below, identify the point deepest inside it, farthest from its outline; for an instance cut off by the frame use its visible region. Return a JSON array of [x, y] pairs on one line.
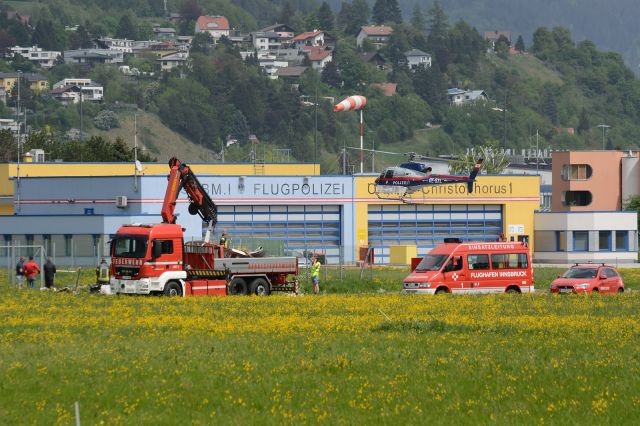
[[129, 246], [581, 273], [432, 262]]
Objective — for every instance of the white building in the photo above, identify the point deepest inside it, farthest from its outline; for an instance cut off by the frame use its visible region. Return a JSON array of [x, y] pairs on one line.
[[417, 58], [459, 96], [216, 26], [120, 44], [44, 58], [173, 60], [93, 56], [74, 90], [9, 124], [265, 41], [379, 35]]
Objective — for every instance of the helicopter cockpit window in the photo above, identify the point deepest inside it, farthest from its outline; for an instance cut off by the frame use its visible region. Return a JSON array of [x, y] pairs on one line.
[[388, 174]]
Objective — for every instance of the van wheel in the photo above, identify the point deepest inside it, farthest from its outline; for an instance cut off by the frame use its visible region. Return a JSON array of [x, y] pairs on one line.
[[512, 290], [620, 290], [260, 287], [442, 290], [238, 287], [172, 288]]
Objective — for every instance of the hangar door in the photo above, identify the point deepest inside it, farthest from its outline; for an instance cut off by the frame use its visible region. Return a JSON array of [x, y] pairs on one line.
[[427, 225], [315, 228]]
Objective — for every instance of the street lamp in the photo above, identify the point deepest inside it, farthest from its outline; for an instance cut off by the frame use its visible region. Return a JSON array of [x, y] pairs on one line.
[[604, 127]]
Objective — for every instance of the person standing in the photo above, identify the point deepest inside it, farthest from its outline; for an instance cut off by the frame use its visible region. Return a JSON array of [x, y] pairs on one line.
[[49, 273], [20, 272], [31, 270], [224, 241], [315, 274]]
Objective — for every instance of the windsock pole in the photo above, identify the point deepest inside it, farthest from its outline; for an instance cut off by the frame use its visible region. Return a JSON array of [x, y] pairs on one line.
[[361, 143]]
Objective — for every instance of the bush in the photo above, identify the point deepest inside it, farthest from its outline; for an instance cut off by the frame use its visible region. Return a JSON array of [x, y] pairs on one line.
[[106, 120]]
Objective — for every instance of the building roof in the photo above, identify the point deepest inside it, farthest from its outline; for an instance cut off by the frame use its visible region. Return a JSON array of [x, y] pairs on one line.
[[164, 30], [265, 34], [371, 56], [415, 52], [67, 88], [290, 71], [307, 35], [455, 91], [29, 76], [278, 27], [495, 35], [212, 23], [377, 30], [316, 53], [388, 89]]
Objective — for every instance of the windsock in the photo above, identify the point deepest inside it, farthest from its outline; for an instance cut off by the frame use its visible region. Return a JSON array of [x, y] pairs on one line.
[[352, 103]]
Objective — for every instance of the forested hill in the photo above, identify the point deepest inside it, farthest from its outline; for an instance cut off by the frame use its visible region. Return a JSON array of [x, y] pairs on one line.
[[555, 86]]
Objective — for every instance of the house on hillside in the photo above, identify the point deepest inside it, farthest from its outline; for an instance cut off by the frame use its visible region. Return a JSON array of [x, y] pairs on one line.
[[379, 35], [3, 95], [310, 38], [93, 56], [217, 26], [173, 60], [493, 36], [376, 59], [264, 41], [44, 58], [417, 58], [121, 44], [73, 90], [318, 56], [284, 31], [164, 33], [460, 97], [290, 75], [37, 82]]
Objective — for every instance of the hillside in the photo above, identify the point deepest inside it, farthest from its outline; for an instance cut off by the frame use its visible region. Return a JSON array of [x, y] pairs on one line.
[[156, 139]]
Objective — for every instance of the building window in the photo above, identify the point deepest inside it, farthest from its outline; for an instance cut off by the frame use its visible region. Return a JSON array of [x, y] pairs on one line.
[[622, 241], [576, 172], [561, 240], [580, 240], [576, 198], [604, 241]]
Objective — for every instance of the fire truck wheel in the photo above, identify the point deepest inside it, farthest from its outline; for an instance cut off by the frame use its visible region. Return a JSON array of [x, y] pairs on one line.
[[173, 289], [512, 290], [260, 287], [238, 286], [442, 290]]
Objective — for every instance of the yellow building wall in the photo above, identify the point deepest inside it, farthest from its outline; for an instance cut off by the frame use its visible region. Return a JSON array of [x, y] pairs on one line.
[[519, 196], [10, 170]]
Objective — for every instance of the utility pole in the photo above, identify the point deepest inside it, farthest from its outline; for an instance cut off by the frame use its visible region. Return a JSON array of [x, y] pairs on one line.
[[81, 118], [315, 137], [19, 146], [537, 154]]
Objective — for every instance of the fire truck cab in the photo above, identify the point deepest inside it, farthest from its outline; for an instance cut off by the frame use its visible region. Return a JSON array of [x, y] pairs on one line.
[[456, 267]]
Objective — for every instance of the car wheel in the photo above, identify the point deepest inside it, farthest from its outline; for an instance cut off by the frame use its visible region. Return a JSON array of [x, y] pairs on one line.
[[173, 288], [260, 287], [442, 290], [238, 287], [620, 290]]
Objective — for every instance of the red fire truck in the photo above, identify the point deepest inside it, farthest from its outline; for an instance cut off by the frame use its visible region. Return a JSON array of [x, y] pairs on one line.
[[154, 259]]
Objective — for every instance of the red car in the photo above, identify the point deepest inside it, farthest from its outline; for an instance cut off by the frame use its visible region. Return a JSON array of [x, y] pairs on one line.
[[588, 279]]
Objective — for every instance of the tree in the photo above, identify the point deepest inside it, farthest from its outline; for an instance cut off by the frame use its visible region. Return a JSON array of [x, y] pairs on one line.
[[325, 17], [190, 10], [632, 203], [202, 43], [8, 146], [520, 44], [494, 161], [437, 40], [418, 21], [286, 13], [502, 47], [549, 104], [127, 28], [353, 16], [386, 11], [330, 74], [583, 123]]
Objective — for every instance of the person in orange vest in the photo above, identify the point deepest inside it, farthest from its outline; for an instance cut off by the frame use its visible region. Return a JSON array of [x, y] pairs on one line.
[[31, 271]]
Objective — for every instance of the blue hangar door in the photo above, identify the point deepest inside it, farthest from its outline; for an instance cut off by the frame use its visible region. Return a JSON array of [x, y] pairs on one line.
[[292, 230], [427, 225]]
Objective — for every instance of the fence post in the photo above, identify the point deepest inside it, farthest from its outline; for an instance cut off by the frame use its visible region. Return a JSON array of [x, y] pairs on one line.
[[42, 266]]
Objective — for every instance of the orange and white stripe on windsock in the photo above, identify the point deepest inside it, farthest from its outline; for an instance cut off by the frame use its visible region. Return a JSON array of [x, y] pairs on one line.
[[352, 103]]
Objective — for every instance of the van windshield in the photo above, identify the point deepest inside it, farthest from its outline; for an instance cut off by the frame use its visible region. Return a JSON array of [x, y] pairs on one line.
[[432, 262]]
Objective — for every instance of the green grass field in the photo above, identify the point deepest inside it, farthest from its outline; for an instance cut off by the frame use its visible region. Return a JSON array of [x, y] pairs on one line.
[[362, 358]]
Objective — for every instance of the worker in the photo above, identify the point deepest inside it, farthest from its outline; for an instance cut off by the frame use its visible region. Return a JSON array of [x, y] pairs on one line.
[[224, 241], [102, 276], [315, 274]]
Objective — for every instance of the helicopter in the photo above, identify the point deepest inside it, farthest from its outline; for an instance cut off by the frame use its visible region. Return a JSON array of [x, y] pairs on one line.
[[415, 174]]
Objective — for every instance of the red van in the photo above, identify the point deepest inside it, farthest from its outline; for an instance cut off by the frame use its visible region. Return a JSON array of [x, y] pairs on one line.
[[456, 267]]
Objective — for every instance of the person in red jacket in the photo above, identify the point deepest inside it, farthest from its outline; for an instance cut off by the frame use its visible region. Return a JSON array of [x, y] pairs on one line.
[[31, 271]]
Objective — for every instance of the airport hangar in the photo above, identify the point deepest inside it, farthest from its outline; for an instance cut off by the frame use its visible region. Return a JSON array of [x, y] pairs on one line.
[[73, 209]]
